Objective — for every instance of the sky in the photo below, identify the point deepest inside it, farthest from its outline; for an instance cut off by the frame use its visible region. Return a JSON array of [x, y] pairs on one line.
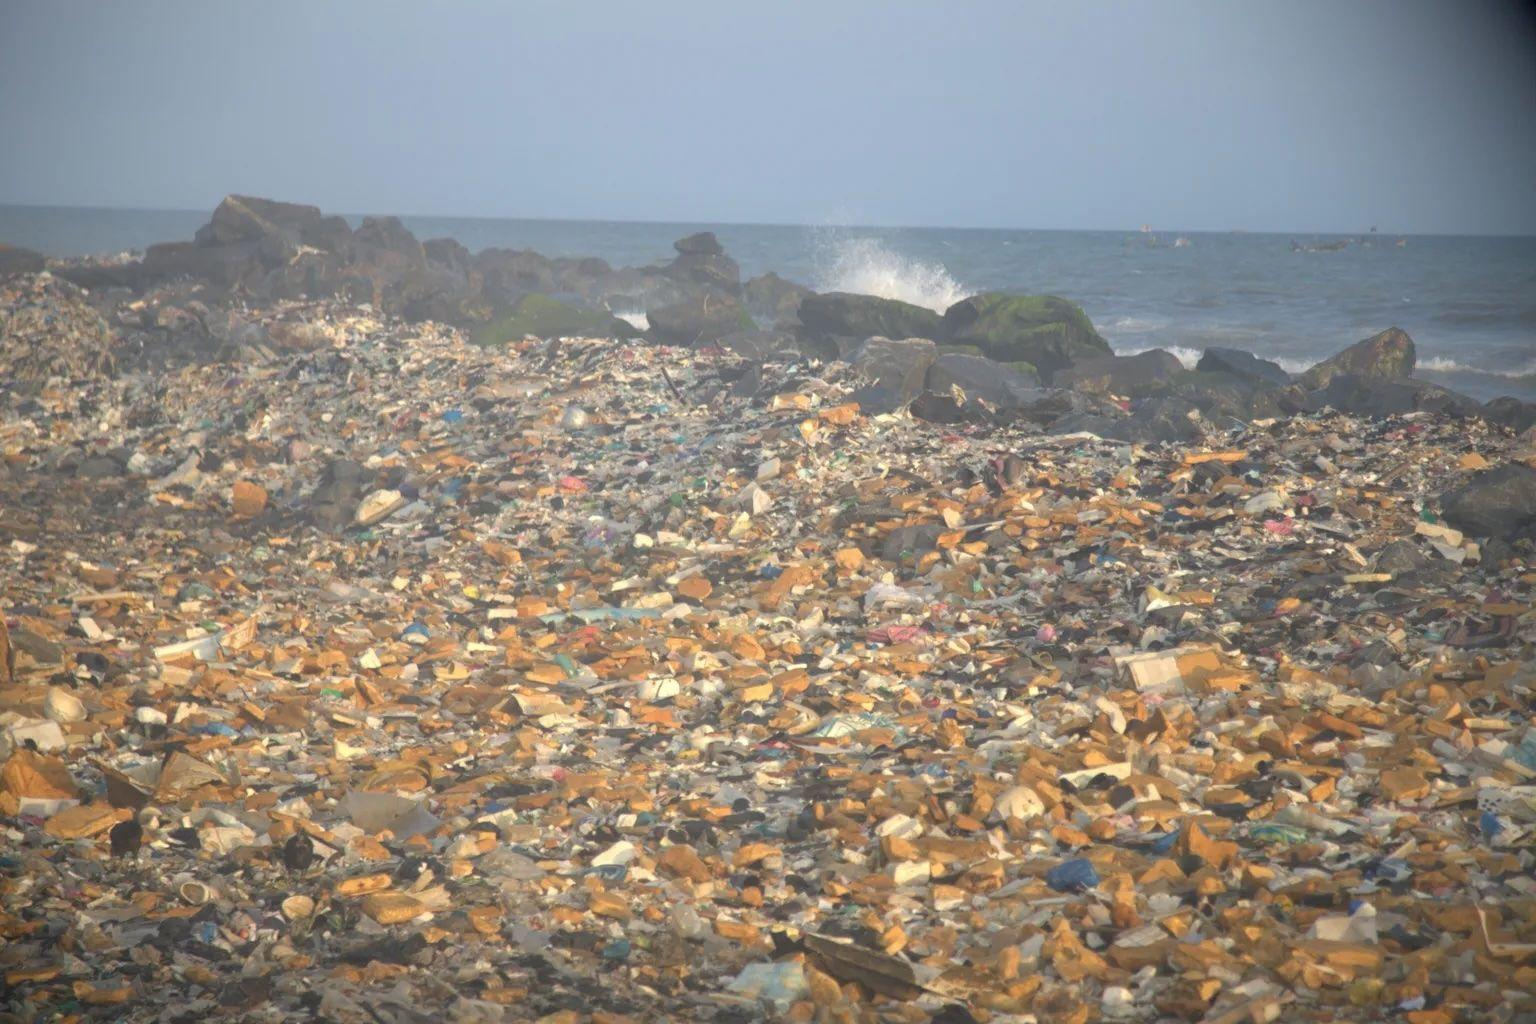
[[1185, 114]]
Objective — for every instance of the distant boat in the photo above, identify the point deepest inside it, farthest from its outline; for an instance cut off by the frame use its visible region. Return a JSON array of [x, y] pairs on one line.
[[1146, 229], [1181, 242]]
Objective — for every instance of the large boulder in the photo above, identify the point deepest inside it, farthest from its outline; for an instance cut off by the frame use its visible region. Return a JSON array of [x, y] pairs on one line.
[[761, 345], [1361, 395], [448, 252], [1241, 363], [701, 260], [1389, 354], [15, 260], [1498, 503], [1229, 399], [898, 368], [773, 300], [700, 319], [387, 239], [1133, 375], [703, 243], [540, 316], [1165, 419], [979, 377], [1511, 413], [831, 316], [250, 219], [1047, 332], [509, 274], [962, 387]]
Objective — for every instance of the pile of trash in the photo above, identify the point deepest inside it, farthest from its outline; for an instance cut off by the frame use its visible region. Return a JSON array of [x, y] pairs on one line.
[[50, 332], [388, 678]]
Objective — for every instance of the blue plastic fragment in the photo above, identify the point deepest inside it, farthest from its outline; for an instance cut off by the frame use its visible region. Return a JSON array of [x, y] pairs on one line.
[[1072, 875], [618, 949], [610, 872], [453, 416], [1490, 824], [1164, 843]]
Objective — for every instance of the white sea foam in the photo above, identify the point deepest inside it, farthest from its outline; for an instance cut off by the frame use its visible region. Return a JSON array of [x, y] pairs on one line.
[[1130, 325], [1441, 364], [1191, 356], [866, 266], [1188, 356]]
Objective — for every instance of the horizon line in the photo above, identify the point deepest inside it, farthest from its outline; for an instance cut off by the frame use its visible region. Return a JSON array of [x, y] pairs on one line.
[[1141, 229]]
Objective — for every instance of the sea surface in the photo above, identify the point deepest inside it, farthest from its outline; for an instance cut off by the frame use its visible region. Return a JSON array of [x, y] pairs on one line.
[[1468, 302]]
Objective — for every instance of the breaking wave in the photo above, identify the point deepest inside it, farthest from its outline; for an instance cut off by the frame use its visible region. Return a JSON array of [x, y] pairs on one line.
[[1188, 356], [1440, 364], [637, 320], [866, 266], [1130, 325]]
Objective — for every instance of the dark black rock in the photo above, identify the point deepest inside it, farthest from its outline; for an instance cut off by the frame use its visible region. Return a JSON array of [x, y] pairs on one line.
[[1380, 396], [704, 243], [1242, 364], [1511, 413], [15, 260], [298, 852], [1498, 503], [125, 837], [1135, 375], [857, 317]]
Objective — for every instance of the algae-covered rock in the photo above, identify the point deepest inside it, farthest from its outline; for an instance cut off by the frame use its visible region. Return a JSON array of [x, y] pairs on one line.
[[1388, 354], [1046, 331], [540, 316]]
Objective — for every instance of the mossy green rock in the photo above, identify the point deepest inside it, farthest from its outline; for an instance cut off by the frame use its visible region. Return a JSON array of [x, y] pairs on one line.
[[1389, 354], [845, 315], [540, 316], [1044, 330]]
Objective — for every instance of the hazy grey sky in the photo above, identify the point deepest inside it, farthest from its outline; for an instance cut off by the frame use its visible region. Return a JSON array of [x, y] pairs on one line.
[[1288, 116]]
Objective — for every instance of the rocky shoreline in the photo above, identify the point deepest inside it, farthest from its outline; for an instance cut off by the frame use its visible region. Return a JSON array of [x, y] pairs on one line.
[[388, 631], [992, 356]]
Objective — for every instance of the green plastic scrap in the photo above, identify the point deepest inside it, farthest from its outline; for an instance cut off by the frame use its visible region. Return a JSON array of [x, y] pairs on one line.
[[1288, 834]]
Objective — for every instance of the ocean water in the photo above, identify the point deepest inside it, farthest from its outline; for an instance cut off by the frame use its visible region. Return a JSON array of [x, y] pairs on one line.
[[1469, 303]]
